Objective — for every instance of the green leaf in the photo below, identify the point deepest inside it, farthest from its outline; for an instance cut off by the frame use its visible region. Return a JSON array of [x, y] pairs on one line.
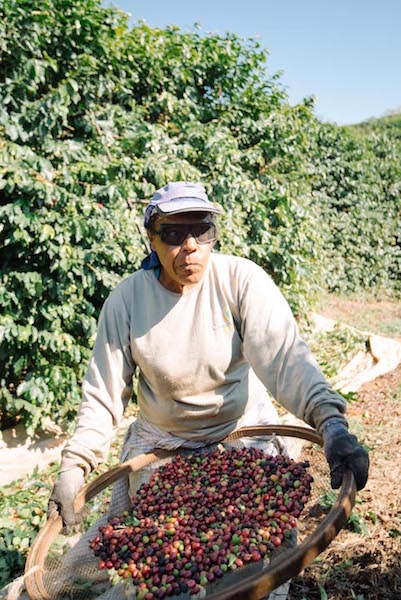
[[96, 114], [323, 594], [47, 233]]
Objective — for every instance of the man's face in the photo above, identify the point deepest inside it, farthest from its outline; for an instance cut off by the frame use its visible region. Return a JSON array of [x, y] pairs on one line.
[[182, 265]]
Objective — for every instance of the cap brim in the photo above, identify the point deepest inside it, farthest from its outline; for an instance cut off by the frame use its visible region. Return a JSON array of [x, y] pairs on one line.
[[187, 205]]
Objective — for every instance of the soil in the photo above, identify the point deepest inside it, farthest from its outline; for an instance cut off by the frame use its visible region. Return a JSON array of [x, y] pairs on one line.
[[355, 565], [381, 317]]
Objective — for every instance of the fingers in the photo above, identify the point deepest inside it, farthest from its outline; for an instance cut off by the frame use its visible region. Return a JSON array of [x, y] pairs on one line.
[[358, 462], [336, 476], [62, 498], [71, 519], [360, 468], [343, 451], [52, 508], [72, 522]]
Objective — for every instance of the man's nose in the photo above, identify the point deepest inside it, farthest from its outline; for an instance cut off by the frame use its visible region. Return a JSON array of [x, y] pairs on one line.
[[190, 244]]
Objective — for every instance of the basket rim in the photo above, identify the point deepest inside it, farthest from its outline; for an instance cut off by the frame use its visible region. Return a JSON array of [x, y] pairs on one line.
[[251, 587]]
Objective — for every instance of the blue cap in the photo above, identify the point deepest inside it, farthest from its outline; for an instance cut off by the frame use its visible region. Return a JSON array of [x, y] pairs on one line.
[[180, 197]]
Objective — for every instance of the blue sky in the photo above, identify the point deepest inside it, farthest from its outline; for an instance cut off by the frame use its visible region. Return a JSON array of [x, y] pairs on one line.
[[346, 53]]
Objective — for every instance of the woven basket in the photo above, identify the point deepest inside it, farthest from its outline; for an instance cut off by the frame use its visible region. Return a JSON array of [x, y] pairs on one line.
[[245, 583]]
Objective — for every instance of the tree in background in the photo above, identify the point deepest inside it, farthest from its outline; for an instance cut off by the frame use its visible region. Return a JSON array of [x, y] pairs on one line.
[[94, 116]]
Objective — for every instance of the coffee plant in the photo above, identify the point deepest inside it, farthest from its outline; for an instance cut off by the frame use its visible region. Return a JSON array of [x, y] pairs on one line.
[[95, 115], [358, 189]]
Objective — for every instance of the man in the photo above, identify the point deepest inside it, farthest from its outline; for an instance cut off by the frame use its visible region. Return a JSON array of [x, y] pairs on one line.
[[209, 334]]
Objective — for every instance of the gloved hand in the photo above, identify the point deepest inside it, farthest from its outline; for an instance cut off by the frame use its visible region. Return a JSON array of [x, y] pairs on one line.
[[343, 450], [65, 490]]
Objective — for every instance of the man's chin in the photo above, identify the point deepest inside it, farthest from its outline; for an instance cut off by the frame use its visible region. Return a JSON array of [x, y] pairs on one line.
[[190, 277]]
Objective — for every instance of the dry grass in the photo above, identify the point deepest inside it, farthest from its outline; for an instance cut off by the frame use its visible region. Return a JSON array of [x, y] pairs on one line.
[[356, 566], [382, 317]]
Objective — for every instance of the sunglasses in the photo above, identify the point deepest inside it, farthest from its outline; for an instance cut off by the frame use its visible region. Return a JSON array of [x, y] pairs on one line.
[[175, 235]]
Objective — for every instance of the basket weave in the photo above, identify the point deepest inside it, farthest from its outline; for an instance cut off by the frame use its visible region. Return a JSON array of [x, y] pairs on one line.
[[251, 586]]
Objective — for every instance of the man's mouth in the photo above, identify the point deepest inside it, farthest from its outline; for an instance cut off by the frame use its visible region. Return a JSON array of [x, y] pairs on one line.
[[189, 266]]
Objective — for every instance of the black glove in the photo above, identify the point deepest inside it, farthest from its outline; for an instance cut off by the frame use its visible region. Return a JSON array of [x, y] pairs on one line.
[[65, 490], [343, 450]]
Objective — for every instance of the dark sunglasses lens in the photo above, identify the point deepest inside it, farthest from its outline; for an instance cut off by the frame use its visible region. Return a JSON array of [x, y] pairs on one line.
[[204, 233], [174, 235]]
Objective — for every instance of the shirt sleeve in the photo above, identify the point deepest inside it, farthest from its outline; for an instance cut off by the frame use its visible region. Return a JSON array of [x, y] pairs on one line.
[[106, 389], [280, 357]]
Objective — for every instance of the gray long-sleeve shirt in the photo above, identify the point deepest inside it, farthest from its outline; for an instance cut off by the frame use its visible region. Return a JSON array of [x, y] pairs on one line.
[[205, 360]]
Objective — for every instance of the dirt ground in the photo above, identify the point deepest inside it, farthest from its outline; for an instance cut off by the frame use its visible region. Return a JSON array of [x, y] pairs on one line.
[[355, 565], [382, 317]]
